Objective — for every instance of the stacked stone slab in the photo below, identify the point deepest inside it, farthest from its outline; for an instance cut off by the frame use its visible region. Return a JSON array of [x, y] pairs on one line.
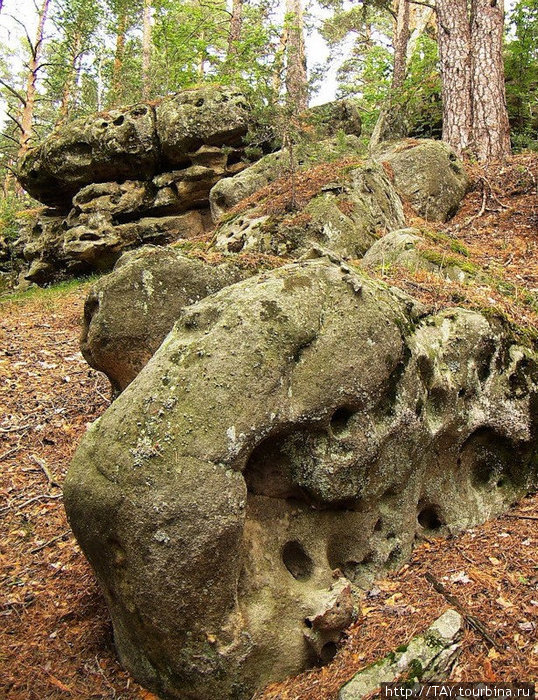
[[135, 175], [139, 175]]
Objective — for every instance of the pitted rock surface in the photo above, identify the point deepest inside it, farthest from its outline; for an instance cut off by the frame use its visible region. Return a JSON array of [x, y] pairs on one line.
[[125, 319], [346, 218], [292, 436]]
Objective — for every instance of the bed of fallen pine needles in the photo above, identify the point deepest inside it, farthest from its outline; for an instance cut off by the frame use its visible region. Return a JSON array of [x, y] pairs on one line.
[[55, 634]]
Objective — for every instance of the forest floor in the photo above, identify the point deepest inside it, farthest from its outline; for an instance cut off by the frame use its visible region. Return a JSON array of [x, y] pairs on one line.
[[55, 634]]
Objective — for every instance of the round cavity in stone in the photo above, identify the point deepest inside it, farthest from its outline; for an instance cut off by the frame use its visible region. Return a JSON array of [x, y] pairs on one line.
[[328, 652], [340, 420], [297, 561], [429, 518]]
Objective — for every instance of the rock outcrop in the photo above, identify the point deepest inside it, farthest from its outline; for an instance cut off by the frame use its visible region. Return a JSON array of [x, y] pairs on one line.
[[142, 175], [428, 657], [427, 173], [292, 436], [226, 194], [125, 319], [346, 217]]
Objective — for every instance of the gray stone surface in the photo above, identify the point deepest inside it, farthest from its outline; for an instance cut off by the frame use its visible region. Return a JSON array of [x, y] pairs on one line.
[[128, 313], [429, 656], [346, 218], [291, 437], [427, 173], [407, 248], [230, 191]]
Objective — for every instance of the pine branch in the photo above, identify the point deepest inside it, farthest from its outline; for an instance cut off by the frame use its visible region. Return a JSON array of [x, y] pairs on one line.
[[13, 92]]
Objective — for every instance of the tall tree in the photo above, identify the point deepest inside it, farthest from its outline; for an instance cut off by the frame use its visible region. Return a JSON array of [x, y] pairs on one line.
[[236, 21], [34, 67], [454, 37], [146, 49], [491, 130], [75, 22], [472, 71], [401, 40], [296, 77]]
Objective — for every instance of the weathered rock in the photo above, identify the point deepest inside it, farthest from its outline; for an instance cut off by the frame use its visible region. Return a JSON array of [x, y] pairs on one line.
[[339, 115], [407, 248], [208, 116], [108, 146], [429, 656], [136, 142], [112, 197], [293, 429], [128, 313], [427, 173], [345, 218], [230, 191]]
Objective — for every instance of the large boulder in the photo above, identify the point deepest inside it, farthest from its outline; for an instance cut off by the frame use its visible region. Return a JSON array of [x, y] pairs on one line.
[[293, 435], [230, 191], [107, 146], [134, 142], [408, 249], [212, 116], [128, 313], [346, 217], [427, 173]]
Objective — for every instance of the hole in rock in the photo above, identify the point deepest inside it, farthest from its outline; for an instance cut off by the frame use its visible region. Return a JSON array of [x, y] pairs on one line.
[[308, 622], [340, 420], [119, 120], [482, 472], [328, 652], [379, 525], [200, 102], [429, 518], [297, 561], [394, 556], [487, 457], [501, 482], [461, 393]]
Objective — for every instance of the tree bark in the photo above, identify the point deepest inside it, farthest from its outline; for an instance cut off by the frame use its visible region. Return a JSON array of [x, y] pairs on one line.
[[401, 40], [491, 130], [421, 18], [454, 37], [296, 78], [236, 22], [28, 107], [70, 81], [119, 53], [146, 50]]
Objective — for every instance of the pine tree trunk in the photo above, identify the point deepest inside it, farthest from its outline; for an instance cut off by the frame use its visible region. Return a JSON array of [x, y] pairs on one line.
[[454, 37], [401, 39], [420, 18], [491, 130], [118, 55], [235, 27], [27, 115], [146, 50], [296, 78], [70, 82]]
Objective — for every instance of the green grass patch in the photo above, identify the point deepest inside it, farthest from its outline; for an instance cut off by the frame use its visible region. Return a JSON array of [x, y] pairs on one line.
[[50, 293]]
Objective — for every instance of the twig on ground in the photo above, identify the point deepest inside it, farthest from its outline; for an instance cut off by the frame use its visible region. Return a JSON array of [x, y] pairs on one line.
[[521, 517], [471, 619], [41, 464], [62, 536]]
